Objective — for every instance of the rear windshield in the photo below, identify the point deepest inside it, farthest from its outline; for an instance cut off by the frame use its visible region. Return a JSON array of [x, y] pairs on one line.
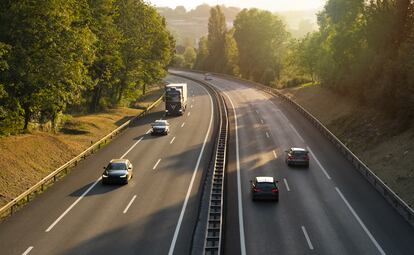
[[116, 166], [300, 153], [265, 185]]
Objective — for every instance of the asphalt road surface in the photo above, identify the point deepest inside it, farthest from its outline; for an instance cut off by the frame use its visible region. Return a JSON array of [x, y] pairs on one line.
[[154, 214], [328, 208]]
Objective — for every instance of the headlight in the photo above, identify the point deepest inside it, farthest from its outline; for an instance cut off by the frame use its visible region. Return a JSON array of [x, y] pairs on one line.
[[123, 176]]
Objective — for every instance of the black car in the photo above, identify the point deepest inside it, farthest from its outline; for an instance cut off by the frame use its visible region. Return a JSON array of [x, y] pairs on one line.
[[117, 171], [264, 188], [297, 156]]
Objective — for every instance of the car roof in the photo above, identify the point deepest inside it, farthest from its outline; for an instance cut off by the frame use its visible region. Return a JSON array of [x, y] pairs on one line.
[[119, 161], [297, 149], [264, 179], [163, 121]]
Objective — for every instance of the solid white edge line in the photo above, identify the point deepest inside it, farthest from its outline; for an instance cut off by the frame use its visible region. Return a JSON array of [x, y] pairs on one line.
[[267, 134], [191, 106], [297, 133], [239, 194], [274, 154], [172, 140], [286, 183], [188, 114], [86, 192], [72, 205], [360, 222], [149, 131], [182, 125], [319, 163], [129, 204], [261, 120], [27, 250], [156, 164], [132, 147], [187, 197], [307, 238]]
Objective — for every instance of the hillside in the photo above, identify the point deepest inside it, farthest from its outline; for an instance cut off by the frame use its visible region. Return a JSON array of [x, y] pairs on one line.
[[193, 23], [377, 139], [25, 159]]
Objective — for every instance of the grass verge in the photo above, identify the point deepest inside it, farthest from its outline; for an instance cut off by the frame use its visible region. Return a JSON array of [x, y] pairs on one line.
[[26, 159], [377, 139]]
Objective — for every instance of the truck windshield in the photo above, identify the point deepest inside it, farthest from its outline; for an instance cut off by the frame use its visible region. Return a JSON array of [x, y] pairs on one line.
[[173, 96]]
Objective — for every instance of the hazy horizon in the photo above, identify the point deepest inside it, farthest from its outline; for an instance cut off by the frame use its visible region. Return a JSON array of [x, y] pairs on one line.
[[271, 5]]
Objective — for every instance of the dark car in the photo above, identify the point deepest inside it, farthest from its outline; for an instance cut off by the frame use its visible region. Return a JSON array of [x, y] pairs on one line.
[[160, 127], [297, 156], [117, 171], [264, 188]]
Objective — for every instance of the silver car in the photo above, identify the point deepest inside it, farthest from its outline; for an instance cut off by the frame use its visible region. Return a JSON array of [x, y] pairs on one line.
[[160, 127]]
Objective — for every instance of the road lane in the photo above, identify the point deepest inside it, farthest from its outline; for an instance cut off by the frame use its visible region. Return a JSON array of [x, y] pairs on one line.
[[313, 201], [97, 222]]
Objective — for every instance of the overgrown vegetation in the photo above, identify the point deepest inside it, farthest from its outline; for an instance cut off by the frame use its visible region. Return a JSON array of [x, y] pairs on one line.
[[363, 49], [77, 55]]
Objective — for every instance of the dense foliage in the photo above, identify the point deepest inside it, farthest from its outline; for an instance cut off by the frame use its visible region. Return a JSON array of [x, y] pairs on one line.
[[363, 49], [76, 54]]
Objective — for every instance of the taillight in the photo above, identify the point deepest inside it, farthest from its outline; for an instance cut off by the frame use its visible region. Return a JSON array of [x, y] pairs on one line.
[[256, 190], [274, 190], [290, 157]]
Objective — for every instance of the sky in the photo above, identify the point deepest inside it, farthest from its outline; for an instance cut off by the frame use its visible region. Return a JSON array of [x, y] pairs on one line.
[[271, 5]]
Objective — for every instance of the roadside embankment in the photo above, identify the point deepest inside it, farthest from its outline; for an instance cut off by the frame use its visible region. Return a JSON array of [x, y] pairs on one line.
[[25, 159], [377, 139]]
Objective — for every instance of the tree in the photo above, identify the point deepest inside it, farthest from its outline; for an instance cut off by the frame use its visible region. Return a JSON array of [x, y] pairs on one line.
[[260, 38], [189, 57], [202, 54], [108, 61], [52, 46], [231, 54], [147, 47], [215, 40]]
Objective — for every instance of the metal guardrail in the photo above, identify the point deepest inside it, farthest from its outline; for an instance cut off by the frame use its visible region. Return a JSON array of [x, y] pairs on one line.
[[213, 242], [390, 196], [23, 198]]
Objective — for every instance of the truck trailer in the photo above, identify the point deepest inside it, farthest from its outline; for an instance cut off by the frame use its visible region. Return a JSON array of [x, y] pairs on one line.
[[175, 98]]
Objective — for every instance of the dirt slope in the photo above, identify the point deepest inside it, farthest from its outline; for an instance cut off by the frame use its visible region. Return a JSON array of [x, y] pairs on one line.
[[26, 159], [378, 140]]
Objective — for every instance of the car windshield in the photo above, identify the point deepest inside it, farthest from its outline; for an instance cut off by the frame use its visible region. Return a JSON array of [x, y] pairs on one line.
[[159, 123], [265, 185], [116, 166]]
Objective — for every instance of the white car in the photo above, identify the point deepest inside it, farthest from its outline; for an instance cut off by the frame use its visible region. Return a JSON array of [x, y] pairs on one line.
[[208, 77], [160, 127]]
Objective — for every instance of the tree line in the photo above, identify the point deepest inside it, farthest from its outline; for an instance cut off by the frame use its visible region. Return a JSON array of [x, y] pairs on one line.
[[363, 49], [60, 56]]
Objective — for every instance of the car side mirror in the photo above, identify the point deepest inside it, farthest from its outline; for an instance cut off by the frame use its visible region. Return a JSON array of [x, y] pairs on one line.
[[129, 168], [104, 167]]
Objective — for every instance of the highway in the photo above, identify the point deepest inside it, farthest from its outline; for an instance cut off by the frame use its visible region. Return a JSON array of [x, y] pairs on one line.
[[326, 209], [154, 214]]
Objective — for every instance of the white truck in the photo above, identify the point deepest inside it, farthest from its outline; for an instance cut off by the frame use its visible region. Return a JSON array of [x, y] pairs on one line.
[[175, 98]]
